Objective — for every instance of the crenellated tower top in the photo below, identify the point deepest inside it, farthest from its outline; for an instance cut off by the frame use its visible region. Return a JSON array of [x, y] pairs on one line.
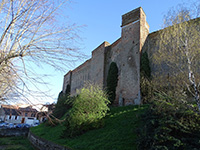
[[132, 16]]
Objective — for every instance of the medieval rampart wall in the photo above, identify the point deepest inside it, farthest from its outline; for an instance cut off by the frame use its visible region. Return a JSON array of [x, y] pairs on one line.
[[97, 64], [151, 47], [90, 71], [79, 76], [112, 54], [67, 80], [125, 52]]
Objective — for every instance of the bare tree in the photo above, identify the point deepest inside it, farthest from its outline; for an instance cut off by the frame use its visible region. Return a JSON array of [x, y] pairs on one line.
[[30, 36], [179, 47]]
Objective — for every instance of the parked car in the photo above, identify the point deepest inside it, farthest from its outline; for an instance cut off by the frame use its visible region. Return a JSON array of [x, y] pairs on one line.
[[23, 125], [1, 121], [19, 125], [4, 125], [36, 124], [11, 125]]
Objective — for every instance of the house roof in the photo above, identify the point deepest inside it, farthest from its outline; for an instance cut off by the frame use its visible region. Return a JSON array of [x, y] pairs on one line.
[[16, 111], [28, 109], [10, 106], [10, 111], [50, 106]]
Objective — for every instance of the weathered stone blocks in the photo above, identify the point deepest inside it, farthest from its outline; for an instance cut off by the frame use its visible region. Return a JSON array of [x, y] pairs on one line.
[[125, 52]]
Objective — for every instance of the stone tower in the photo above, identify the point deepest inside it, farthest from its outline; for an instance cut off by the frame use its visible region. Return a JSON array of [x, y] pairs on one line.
[[135, 30]]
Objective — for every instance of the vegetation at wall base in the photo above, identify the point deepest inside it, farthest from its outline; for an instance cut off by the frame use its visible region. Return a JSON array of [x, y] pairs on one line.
[[112, 80], [64, 103], [87, 112], [170, 125], [145, 79], [119, 131], [145, 69]]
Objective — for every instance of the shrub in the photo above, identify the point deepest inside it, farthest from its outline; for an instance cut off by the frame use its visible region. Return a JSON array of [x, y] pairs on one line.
[[170, 124], [88, 110], [145, 67], [145, 79], [68, 90], [147, 89], [112, 80], [64, 103]]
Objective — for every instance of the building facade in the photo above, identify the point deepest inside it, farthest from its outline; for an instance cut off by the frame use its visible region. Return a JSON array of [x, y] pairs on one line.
[[16, 115]]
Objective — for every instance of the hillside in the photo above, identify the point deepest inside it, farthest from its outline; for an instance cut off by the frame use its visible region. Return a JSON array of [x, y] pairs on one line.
[[119, 131]]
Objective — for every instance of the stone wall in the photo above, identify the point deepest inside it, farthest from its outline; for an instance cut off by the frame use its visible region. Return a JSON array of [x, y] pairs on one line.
[[67, 80], [125, 52], [14, 132], [79, 76], [42, 144], [97, 64], [150, 47], [91, 70], [112, 55]]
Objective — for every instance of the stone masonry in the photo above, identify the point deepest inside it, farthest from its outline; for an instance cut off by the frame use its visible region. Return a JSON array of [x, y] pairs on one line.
[[125, 52]]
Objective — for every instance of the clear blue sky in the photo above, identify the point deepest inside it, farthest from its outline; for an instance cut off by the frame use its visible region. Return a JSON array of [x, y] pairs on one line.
[[102, 20]]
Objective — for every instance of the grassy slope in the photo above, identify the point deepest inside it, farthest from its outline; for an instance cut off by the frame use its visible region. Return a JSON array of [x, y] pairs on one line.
[[15, 143], [118, 133]]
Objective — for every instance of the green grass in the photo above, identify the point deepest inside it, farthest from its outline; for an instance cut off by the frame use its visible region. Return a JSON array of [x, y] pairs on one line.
[[15, 143], [118, 133]]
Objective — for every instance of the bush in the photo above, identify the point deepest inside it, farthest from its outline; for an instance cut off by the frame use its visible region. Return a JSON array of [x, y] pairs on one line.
[[145, 67], [63, 105], [146, 85], [147, 89], [112, 80], [88, 110], [171, 124]]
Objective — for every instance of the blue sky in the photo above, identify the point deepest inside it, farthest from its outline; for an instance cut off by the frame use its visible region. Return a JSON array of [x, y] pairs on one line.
[[102, 21]]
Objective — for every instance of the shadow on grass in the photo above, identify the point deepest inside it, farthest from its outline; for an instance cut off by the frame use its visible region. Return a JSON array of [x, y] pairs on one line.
[[15, 143]]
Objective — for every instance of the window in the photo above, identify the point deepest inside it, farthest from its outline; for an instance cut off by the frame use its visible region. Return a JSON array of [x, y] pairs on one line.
[[26, 114], [31, 118], [33, 115]]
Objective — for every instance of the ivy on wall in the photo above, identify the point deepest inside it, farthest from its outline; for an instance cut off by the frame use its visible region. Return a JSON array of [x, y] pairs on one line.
[[112, 80], [68, 90], [145, 67], [145, 78]]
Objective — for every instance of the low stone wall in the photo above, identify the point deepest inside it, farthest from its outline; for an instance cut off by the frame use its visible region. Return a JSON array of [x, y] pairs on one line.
[[42, 144], [14, 132]]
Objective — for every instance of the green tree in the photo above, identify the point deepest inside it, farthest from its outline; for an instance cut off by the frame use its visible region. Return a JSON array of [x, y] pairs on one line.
[[88, 110], [145, 78], [68, 90], [145, 67], [64, 103], [169, 125], [112, 80], [179, 48]]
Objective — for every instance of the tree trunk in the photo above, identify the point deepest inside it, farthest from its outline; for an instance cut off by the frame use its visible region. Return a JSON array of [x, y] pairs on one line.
[[192, 77]]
